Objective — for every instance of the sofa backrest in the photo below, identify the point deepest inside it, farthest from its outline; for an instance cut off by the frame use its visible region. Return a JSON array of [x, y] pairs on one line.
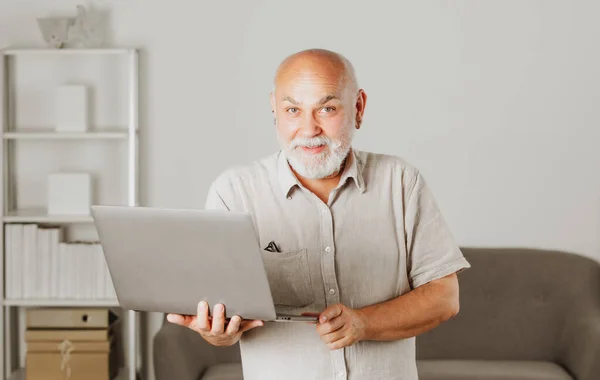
[[513, 305]]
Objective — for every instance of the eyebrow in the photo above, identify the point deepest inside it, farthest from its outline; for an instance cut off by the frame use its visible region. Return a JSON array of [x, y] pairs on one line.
[[327, 98], [289, 99], [323, 100]]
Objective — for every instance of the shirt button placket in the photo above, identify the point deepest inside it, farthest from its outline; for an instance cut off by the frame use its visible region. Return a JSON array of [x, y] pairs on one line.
[[330, 283]]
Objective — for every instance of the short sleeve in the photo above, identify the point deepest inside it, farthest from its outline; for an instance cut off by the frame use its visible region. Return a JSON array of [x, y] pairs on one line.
[[214, 200], [431, 248]]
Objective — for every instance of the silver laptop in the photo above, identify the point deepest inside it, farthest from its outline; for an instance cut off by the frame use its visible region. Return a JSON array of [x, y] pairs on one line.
[[168, 260]]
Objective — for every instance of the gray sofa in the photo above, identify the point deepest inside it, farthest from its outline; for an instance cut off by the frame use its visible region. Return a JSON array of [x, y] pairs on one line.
[[525, 314]]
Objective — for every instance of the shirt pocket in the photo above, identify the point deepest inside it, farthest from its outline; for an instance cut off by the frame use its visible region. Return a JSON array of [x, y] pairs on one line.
[[289, 278]]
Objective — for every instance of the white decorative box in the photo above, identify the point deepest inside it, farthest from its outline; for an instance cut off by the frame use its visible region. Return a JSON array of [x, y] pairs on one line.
[[69, 193], [71, 109]]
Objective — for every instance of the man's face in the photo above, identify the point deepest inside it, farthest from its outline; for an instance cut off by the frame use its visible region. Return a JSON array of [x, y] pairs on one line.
[[315, 118]]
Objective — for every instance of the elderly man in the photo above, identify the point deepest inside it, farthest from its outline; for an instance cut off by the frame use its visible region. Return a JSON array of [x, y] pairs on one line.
[[361, 242]]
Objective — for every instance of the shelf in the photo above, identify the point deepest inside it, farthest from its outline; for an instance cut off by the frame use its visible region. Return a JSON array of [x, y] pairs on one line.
[[61, 303], [20, 375], [46, 134], [39, 215], [48, 51]]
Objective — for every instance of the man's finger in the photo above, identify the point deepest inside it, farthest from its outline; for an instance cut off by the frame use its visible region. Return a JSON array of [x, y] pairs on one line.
[[233, 325], [218, 320], [330, 313], [330, 326], [334, 336], [340, 343], [250, 324], [202, 322], [177, 319], [182, 320]]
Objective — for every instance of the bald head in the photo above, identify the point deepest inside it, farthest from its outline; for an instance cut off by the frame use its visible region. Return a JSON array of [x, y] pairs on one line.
[[318, 62]]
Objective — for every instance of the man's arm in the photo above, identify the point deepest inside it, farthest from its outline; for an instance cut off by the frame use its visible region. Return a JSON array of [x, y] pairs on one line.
[[408, 315], [414, 312]]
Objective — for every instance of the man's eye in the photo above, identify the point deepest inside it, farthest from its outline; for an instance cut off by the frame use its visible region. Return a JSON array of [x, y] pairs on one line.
[[292, 110], [328, 109]]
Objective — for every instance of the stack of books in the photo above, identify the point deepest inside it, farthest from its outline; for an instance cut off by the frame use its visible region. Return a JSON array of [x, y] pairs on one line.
[[39, 265]]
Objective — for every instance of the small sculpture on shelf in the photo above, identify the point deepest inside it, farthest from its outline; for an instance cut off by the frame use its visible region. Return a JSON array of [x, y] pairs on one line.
[[54, 30], [86, 30]]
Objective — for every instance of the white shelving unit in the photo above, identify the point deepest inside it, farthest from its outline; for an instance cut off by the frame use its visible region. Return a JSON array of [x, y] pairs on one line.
[[42, 135], [13, 134], [39, 215], [38, 52], [61, 303]]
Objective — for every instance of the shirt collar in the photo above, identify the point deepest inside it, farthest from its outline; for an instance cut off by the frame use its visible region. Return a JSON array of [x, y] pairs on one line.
[[353, 169], [287, 179]]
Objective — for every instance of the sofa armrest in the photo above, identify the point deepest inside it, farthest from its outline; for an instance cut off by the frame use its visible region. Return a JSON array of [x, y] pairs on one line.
[[179, 353], [580, 351]]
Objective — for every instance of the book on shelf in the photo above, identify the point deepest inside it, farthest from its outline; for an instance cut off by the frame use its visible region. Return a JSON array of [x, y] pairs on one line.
[[39, 265]]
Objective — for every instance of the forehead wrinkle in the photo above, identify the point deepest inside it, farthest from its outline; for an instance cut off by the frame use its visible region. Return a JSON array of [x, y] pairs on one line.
[[294, 90]]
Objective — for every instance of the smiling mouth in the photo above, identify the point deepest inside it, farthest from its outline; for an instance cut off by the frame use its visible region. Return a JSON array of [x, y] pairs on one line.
[[314, 149]]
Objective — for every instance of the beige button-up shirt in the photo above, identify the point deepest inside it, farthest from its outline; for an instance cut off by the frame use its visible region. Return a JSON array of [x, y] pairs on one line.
[[379, 236]]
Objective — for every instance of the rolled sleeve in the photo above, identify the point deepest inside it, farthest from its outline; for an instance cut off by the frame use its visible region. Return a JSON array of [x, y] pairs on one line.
[[432, 250]]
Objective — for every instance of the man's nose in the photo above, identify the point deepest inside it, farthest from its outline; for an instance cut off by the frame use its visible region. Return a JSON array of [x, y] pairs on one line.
[[310, 127]]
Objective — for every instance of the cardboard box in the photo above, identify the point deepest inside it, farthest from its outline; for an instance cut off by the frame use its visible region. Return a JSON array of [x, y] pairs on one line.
[[71, 344], [79, 318], [58, 335], [56, 360]]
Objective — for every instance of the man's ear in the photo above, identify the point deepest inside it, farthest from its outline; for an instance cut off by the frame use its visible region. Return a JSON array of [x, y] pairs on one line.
[[361, 103]]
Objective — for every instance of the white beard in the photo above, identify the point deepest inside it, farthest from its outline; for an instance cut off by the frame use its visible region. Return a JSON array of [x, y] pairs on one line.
[[324, 164]]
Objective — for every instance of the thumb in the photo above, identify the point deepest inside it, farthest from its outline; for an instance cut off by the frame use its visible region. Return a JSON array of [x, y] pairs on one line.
[[311, 314], [247, 325], [330, 313], [176, 318]]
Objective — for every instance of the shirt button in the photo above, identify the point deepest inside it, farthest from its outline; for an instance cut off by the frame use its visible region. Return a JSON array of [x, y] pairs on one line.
[[332, 292], [341, 374], [327, 249]]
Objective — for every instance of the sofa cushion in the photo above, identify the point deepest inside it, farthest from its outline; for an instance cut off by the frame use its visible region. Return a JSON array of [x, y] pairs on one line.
[[490, 370], [444, 370], [226, 371]]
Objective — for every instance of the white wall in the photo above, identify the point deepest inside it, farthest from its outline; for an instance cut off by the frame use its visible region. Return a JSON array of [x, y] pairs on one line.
[[496, 102]]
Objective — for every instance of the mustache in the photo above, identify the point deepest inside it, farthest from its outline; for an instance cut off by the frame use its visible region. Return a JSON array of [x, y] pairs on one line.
[[311, 142]]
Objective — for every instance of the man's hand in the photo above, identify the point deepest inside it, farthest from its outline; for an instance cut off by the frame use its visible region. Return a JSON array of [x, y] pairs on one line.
[[340, 326], [213, 329]]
